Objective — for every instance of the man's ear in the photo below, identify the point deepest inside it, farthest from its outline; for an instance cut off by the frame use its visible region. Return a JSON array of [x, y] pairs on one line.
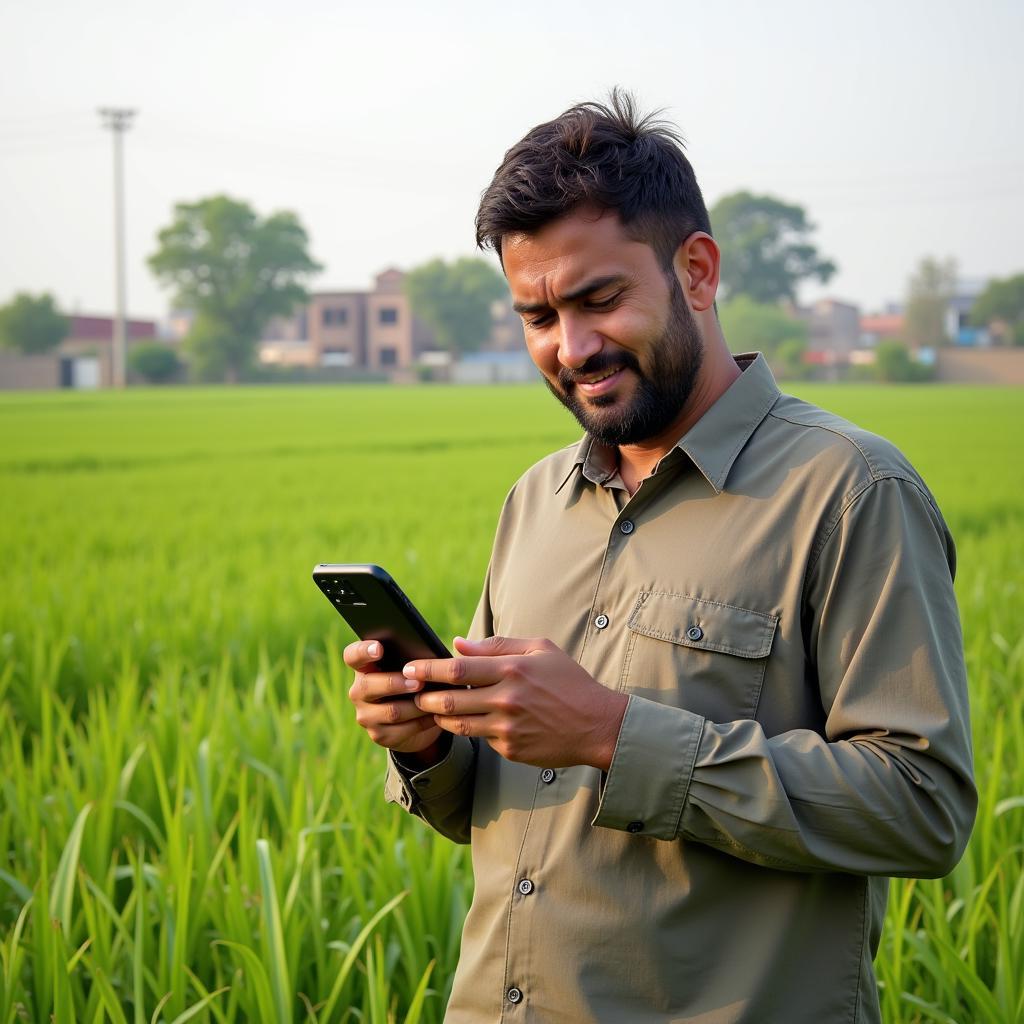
[[696, 265]]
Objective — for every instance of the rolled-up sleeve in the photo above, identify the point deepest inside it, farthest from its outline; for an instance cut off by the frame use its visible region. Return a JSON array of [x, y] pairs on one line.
[[886, 787]]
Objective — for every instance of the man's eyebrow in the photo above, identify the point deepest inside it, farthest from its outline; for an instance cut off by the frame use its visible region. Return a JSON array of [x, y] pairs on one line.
[[585, 289]]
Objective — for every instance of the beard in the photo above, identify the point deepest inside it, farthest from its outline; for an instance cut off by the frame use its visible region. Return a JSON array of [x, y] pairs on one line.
[[663, 387]]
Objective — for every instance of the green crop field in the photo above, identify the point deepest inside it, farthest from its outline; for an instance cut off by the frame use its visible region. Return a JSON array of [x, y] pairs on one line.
[[191, 825]]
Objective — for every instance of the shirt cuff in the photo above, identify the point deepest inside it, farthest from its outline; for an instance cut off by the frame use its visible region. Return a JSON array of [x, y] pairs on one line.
[[409, 787], [645, 789]]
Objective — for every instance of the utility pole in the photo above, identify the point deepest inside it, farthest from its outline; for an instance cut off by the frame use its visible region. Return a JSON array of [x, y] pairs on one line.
[[118, 120]]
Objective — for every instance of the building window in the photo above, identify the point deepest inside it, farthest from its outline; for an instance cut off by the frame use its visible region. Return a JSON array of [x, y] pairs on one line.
[[388, 356], [336, 357], [388, 315], [334, 316]]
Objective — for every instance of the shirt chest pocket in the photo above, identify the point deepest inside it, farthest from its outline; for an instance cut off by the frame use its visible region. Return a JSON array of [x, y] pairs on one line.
[[702, 655]]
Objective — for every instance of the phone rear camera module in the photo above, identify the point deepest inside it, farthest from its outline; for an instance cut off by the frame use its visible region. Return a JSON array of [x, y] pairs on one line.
[[346, 594]]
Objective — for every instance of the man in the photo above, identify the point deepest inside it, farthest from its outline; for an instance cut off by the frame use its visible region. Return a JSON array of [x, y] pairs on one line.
[[714, 692]]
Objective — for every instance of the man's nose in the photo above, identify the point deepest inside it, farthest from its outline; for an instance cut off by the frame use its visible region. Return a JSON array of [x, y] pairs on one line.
[[577, 342]]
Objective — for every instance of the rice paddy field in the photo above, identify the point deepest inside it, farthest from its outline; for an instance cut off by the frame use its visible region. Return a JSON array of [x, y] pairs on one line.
[[191, 824]]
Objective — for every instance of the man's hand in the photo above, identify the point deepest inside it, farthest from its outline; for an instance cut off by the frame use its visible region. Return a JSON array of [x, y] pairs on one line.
[[384, 708], [528, 699]]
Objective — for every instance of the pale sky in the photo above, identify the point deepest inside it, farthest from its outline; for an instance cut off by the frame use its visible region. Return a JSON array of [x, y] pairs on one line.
[[897, 124]]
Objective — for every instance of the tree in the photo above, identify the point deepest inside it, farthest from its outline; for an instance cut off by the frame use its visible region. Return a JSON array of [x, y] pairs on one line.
[[766, 251], [751, 326], [455, 300], [1001, 307], [235, 271], [154, 362], [32, 325], [929, 293]]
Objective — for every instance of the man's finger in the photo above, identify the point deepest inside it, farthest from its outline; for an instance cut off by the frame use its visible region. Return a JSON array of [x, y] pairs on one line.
[[494, 646], [362, 653], [455, 671], [465, 725], [455, 702], [387, 712], [403, 734], [375, 686]]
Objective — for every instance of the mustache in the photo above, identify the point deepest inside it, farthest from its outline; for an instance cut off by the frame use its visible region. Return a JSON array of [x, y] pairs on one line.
[[600, 362]]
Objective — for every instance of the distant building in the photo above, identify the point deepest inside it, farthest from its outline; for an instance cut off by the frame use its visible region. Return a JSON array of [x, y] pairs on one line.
[[959, 329], [833, 329], [175, 325], [287, 328], [83, 360], [890, 324], [876, 327], [336, 329], [86, 354], [285, 353], [370, 330], [833, 332]]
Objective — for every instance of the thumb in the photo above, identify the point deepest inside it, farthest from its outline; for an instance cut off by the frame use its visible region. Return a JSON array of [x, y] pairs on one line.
[[492, 646]]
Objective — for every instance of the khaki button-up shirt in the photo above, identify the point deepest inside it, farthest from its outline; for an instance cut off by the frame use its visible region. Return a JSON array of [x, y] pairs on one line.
[[777, 602]]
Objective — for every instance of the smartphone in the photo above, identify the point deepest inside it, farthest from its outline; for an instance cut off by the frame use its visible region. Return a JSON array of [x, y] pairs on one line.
[[373, 604]]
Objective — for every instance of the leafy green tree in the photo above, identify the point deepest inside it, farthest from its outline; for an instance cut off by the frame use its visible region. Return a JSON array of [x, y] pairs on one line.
[[455, 300], [766, 247], [31, 324], [236, 271], [1001, 307], [894, 364], [929, 293], [751, 326], [154, 362]]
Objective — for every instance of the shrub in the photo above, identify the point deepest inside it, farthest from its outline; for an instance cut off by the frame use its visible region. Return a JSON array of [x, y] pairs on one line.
[[895, 363], [154, 362]]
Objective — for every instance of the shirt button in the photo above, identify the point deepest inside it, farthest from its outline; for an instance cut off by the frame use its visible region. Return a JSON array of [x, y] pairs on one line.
[[635, 826], [601, 621], [526, 887], [514, 995], [548, 775], [626, 526], [695, 633]]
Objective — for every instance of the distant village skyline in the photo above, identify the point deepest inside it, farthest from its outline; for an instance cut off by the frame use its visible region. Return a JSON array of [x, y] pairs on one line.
[[379, 126], [895, 304]]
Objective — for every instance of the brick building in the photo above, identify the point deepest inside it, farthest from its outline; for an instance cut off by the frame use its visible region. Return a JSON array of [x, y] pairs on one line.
[[372, 330], [83, 360]]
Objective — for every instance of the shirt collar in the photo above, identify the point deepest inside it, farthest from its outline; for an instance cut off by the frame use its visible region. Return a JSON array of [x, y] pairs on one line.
[[714, 441]]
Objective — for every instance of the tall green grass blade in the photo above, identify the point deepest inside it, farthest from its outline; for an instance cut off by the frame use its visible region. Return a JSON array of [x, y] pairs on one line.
[[67, 867], [419, 997], [352, 955], [21, 891], [13, 958], [255, 976], [198, 1008], [139, 948], [273, 936], [108, 996]]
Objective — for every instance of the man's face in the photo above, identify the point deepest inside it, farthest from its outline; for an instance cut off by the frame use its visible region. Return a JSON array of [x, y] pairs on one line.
[[608, 328]]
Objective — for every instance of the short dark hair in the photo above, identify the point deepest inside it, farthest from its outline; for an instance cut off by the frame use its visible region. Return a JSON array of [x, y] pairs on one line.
[[603, 155]]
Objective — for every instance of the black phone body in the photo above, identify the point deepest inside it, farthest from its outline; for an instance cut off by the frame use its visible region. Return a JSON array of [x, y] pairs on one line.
[[373, 604]]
